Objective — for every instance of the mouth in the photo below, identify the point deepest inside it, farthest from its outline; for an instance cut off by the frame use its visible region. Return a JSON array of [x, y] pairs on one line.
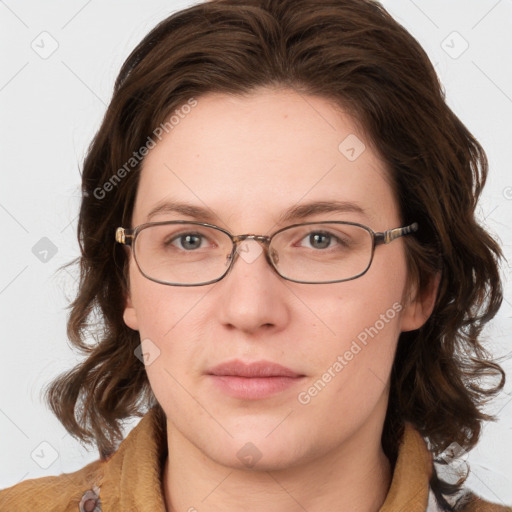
[[253, 381]]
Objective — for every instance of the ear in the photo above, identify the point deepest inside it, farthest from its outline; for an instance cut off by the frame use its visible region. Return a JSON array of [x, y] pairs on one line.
[[418, 306], [130, 314]]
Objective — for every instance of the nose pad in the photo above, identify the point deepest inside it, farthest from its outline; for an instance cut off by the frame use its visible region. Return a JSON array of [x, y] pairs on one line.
[[274, 256], [229, 257], [250, 252]]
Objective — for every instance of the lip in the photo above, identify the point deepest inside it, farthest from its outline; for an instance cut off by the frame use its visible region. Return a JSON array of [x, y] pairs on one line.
[[256, 369], [252, 381]]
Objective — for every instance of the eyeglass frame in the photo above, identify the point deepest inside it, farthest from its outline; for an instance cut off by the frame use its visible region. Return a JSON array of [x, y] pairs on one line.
[[127, 236]]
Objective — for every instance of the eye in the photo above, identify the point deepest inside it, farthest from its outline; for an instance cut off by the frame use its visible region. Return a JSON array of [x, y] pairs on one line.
[[321, 240], [187, 241]]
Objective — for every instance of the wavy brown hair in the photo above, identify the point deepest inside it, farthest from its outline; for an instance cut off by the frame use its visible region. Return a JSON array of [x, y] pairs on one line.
[[355, 54]]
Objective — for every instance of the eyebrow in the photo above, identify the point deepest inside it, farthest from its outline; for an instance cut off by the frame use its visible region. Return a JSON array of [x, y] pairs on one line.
[[188, 210], [302, 211], [297, 212]]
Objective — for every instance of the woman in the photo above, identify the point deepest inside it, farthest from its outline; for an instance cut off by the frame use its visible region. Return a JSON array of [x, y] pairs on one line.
[[278, 232]]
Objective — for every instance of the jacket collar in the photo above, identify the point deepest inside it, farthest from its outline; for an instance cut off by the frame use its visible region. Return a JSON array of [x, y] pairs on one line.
[[410, 484], [134, 472]]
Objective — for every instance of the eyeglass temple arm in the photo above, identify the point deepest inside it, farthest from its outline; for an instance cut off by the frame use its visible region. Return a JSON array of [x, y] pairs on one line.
[[392, 234]]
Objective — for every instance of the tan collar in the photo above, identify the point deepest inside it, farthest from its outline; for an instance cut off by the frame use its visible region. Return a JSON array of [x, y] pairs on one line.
[[134, 473], [410, 483]]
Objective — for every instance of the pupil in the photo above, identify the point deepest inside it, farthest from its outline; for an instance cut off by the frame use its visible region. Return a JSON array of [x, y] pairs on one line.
[[319, 240], [190, 241]]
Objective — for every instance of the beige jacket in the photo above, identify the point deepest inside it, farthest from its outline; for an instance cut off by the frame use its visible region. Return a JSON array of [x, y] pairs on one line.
[[130, 481]]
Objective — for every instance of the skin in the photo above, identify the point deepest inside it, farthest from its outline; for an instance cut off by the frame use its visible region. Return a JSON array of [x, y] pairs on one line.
[[247, 160]]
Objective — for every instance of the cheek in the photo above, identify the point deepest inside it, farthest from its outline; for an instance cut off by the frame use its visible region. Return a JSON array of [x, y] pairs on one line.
[[363, 325], [351, 372], [171, 325], [168, 319], [366, 335], [158, 308], [365, 308]]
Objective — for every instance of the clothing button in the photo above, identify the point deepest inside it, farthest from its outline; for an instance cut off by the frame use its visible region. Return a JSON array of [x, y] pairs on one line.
[[90, 501]]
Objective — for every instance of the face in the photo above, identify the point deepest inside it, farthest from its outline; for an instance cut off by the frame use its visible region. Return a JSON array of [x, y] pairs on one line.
[[246, 161]]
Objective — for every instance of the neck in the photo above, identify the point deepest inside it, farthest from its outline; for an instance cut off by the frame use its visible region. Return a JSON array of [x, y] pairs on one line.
[[356, 477]]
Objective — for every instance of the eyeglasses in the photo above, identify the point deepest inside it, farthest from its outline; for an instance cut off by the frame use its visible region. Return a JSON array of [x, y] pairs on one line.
[[186, 253]]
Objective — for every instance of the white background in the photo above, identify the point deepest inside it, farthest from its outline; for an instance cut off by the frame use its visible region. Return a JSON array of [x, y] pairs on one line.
[[50, 110]]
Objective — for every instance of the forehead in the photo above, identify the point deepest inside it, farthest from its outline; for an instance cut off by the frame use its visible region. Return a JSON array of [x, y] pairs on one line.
[[245, 158]]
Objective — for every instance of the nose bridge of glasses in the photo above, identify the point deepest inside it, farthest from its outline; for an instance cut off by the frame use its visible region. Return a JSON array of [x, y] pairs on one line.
[[248, 254], [257, 238]]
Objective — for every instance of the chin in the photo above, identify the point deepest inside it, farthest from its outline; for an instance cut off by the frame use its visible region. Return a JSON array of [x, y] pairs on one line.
[[252, 451], [254, 457]]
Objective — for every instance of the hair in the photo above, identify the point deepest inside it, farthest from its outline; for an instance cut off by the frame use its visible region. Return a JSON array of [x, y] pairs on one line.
[[354, 54]]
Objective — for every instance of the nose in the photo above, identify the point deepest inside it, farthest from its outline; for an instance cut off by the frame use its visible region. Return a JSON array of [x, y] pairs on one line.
[[252, 296]]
